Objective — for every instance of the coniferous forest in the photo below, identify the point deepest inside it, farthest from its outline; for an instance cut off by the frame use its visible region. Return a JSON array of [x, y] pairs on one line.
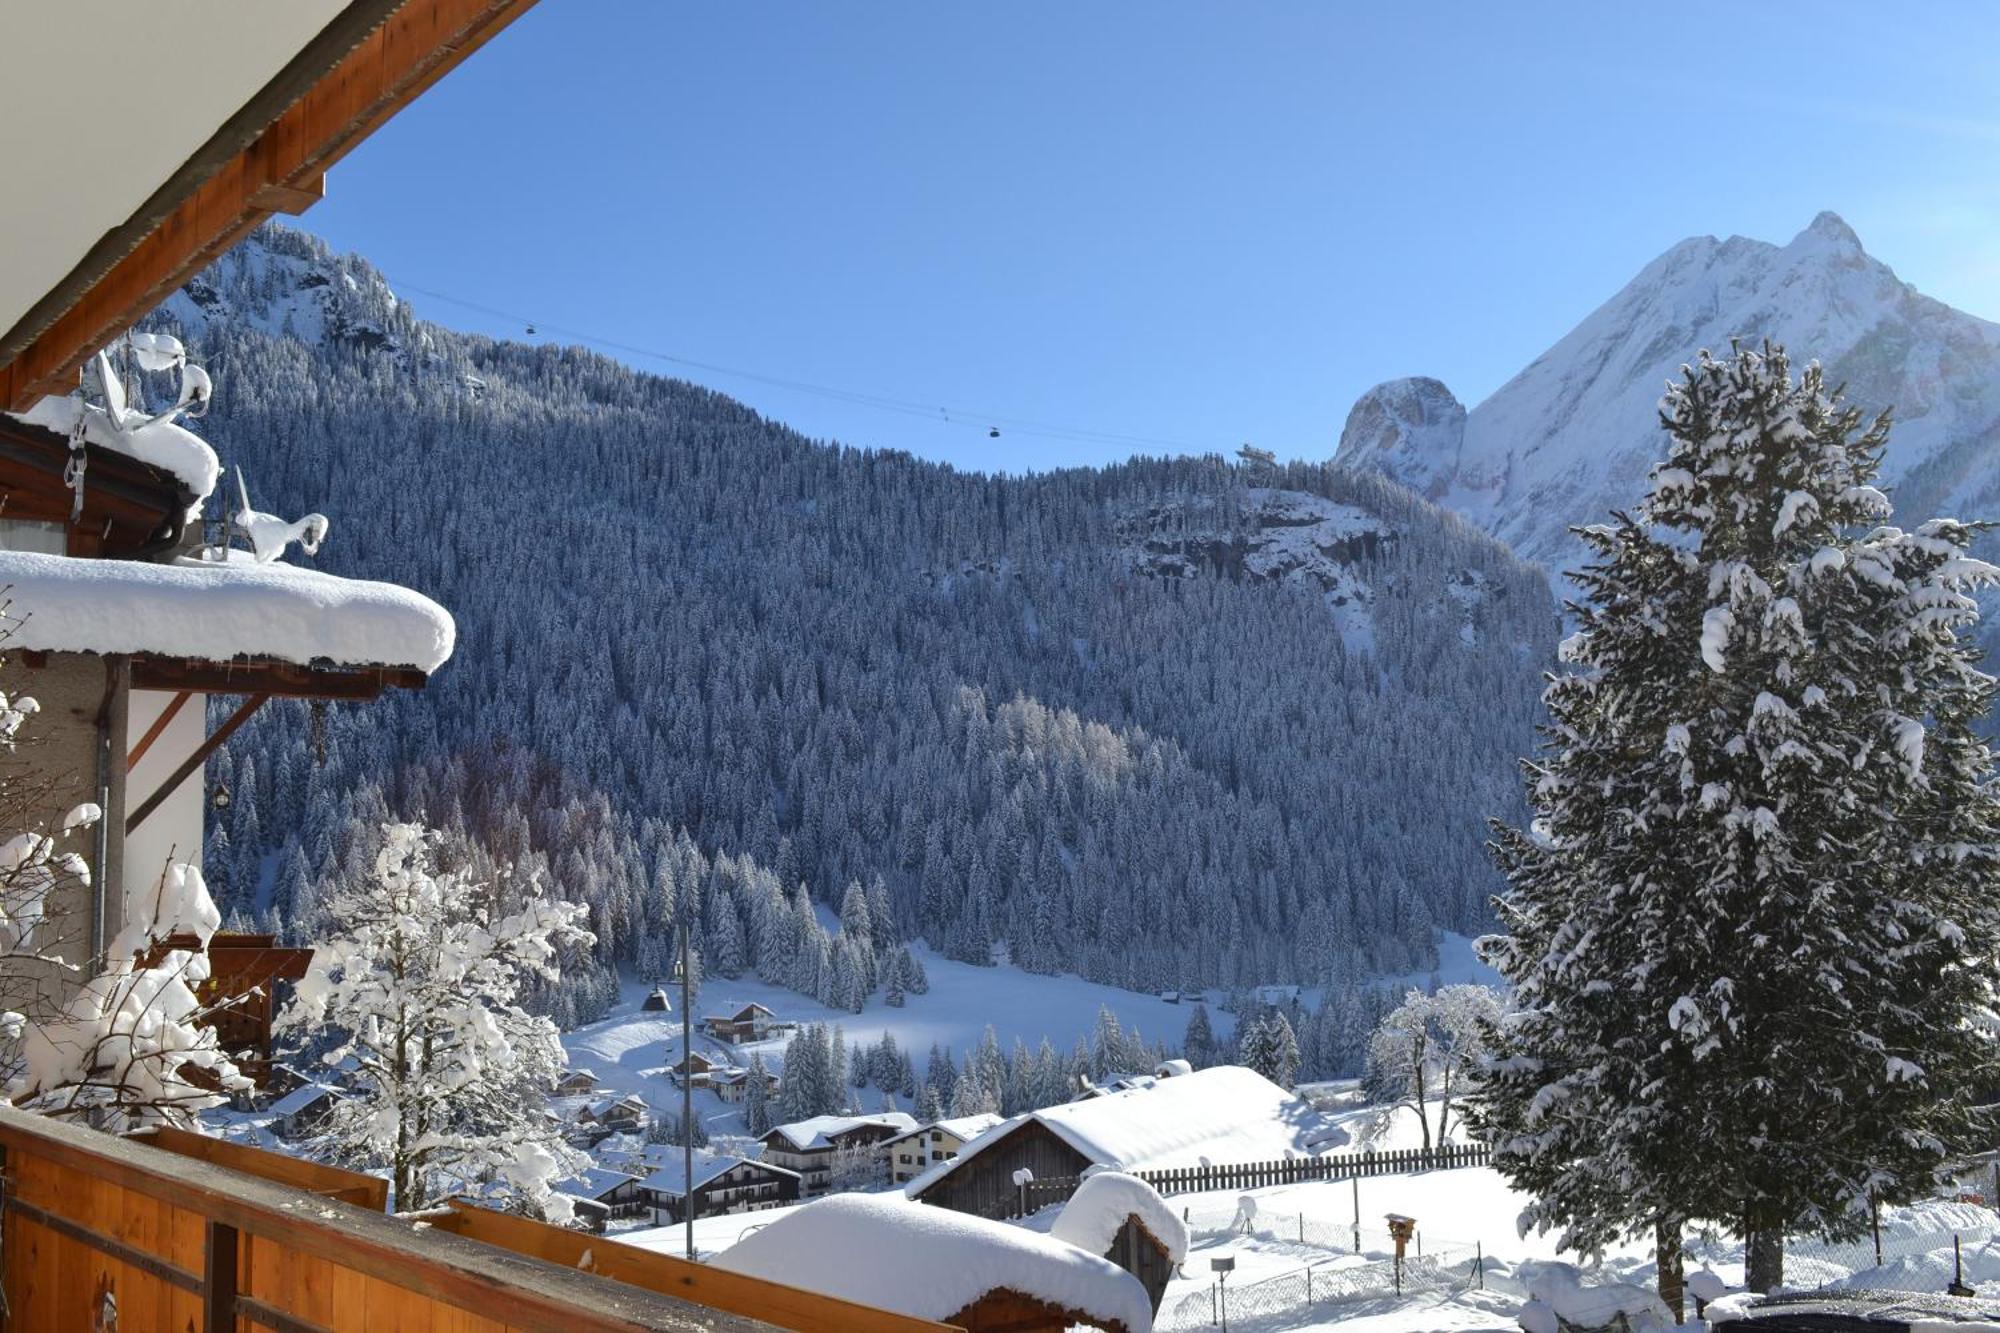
[[1146, 723]]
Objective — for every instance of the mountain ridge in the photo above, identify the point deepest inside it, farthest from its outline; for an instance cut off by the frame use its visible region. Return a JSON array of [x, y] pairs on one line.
[[1169, 722], [1573, 434]]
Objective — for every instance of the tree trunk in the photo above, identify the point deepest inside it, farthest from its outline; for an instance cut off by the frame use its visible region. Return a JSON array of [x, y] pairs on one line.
[[1673, 1280], [1763, 1254]]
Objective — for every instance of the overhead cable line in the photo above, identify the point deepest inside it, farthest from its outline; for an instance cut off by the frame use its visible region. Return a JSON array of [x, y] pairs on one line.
[[960, 417]]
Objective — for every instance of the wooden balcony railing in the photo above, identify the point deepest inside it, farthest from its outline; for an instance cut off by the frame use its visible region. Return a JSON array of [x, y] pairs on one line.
[[169, 1231]]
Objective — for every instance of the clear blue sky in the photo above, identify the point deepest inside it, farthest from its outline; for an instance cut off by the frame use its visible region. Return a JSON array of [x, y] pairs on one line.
[[1193, 222]]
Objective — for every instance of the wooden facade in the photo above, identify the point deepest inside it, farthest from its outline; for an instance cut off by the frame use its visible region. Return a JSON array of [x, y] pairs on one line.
[[1143, 1255], [983, 1184], [241, 991], [192, 1234], [747, 1187]]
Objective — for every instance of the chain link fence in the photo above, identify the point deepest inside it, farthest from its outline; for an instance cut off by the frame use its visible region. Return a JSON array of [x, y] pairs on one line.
[[1812, 1262], [1359, 1264], [1329, 1282]]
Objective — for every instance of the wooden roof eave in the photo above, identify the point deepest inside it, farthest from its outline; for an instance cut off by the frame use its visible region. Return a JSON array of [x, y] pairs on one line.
[[285, 680], [129, 507], [271, 157]]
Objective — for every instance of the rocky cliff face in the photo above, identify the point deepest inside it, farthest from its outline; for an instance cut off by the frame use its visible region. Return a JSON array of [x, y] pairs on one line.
[[1572, 436]]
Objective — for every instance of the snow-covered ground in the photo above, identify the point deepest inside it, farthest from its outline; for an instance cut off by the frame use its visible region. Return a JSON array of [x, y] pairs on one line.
[[1460, 1214], [630, 1050]]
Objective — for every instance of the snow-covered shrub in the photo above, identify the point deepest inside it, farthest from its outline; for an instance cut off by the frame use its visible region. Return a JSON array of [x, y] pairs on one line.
[[115, 1042], [414, 1005]]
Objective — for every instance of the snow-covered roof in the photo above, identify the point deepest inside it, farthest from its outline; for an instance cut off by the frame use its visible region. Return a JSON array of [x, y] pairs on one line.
[[299, 1098], [821, 1130], [964, 1128], [669, 1175], [596, 1182], [221, 610], [930, 1263], [160, 443], [1224, 1114], [1096, 1213]]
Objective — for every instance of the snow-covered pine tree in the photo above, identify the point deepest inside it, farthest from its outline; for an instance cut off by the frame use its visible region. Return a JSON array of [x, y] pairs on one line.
[[1750, 927], [414, 1007], [757, 1099], [1198, 1044], [1253, 1046], [915, 980], [1283, 1045]]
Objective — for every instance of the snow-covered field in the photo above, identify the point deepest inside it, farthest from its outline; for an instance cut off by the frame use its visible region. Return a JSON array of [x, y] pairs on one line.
[[630, 1050], [1460, 1214]]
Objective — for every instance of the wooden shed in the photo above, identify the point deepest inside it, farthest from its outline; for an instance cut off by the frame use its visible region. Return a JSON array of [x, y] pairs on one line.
[[1145, 1256], [1125, 1220]]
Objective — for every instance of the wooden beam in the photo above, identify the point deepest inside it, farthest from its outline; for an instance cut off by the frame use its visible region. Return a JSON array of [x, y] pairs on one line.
[[330, 1182], [293, 199], [194, 761], [376, 58], [138, 751], [218, 1279], [285, 680]]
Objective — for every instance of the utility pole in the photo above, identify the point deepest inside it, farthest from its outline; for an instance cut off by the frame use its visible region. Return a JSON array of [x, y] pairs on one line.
[[682, 973]]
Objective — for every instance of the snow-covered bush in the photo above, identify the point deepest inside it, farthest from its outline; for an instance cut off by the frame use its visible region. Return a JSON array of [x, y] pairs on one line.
[[1425, 1053], [115, 1041], [414, 1006]]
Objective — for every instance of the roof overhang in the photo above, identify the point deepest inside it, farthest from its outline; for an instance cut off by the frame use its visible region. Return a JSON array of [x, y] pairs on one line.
[[163, 134], [130, 507]]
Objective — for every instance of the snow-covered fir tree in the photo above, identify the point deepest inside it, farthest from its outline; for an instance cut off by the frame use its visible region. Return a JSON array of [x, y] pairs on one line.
[[1198, 1044], [757, 1099], [1751, 926], [412, 1004]]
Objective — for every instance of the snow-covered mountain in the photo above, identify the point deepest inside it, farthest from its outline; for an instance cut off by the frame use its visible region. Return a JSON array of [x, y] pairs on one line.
[[1168, 723], [1571, 437]]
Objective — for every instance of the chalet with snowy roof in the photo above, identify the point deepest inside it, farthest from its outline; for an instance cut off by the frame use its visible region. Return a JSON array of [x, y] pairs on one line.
[[615, 1193], [299, 1113], [912, 1154], [576, 1083], [753, 1022], [1211, 1116], [982, 1276], [627, 1114], [722, 1184], [812, 1147], [695, 1067], [732, 1084]]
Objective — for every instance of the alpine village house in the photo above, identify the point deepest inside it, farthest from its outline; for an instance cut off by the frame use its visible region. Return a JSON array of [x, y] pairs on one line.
[[146, 140]]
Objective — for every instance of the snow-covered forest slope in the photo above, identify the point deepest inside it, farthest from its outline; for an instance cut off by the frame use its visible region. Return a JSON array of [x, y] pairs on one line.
[[1571, 437], [1167, 723]]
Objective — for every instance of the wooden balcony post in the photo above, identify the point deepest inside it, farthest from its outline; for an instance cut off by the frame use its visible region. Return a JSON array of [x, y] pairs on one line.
[[218, 1280]]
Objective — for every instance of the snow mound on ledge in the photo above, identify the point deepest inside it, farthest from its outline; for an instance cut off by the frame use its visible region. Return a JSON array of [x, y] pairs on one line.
[[1095, 1214], [930, 1263], [216, 612], [160, 443]]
